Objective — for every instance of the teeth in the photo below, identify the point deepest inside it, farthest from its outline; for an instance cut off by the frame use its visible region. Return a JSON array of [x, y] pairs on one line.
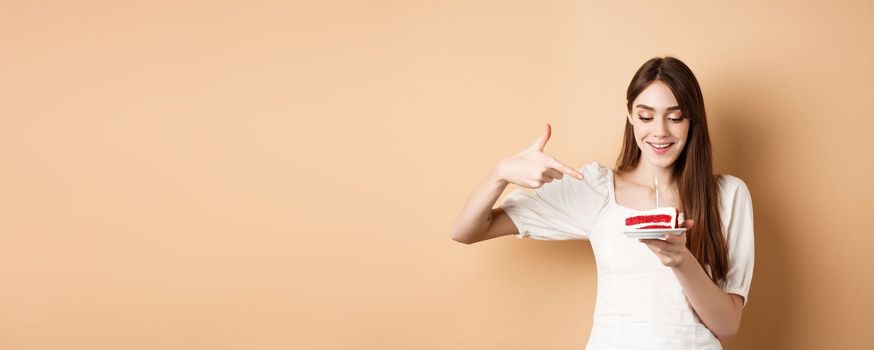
[[660, 146]]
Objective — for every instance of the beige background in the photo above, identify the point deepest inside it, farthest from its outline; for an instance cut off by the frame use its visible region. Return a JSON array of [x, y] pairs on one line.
[[267, 175]]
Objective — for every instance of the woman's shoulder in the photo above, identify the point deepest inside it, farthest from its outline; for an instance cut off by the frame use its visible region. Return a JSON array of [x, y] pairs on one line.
[[731, 186], [594, 171], [594, 168], [595, 176]]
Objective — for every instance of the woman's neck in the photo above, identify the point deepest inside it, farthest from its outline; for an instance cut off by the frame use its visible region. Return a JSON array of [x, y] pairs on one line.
[[645, 174]]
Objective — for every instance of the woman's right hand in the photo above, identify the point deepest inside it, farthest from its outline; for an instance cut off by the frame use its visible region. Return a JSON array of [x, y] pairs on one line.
[[532, 168]]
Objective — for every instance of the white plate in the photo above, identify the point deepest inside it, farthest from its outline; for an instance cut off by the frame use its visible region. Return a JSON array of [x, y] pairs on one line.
[[654, 232]]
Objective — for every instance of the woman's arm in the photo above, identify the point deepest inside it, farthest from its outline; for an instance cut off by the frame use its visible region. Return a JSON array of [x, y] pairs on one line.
[[720, 311], [530, 168], [474, 224]]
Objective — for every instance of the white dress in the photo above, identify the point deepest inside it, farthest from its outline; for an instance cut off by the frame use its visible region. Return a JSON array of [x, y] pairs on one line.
[[640, 304]]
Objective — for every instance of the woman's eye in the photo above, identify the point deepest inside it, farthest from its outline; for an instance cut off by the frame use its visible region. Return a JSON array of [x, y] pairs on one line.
[[675, 120], [646, 119]]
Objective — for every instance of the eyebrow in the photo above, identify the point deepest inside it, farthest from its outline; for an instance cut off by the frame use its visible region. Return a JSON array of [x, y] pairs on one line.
[[672, 108]]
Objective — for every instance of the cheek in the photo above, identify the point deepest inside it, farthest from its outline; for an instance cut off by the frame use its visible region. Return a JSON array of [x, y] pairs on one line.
[[638, 135], [683, 134], [682, 131], [639, 131]]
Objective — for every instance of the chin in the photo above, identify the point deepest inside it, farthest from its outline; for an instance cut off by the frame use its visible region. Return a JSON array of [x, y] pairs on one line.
[[662, 162]]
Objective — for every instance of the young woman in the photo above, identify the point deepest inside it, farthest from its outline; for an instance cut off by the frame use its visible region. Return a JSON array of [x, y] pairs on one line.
[[677, 292]]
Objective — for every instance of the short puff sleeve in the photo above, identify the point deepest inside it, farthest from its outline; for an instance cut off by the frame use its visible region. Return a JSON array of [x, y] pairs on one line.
[[736, 213], [563, 209]]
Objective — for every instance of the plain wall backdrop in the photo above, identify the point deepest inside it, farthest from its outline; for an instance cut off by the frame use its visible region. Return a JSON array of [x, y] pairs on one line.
[[284, 175]]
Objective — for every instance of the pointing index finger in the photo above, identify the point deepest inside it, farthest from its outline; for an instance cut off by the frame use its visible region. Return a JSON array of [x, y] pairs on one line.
[[566, 169]]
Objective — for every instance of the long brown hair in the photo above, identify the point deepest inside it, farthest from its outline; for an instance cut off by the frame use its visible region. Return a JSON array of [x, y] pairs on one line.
[[694, 167]]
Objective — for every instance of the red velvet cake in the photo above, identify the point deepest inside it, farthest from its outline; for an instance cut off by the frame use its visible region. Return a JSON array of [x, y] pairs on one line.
[[659, 218]]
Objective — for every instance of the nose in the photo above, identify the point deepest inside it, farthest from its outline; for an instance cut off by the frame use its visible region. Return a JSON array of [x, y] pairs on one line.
[[660, 129]]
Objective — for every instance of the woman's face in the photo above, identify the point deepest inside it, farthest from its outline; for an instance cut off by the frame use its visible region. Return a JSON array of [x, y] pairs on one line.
[[660, 128]]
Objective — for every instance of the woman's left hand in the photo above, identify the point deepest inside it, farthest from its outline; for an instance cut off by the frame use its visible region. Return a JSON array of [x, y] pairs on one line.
[[672, 250]]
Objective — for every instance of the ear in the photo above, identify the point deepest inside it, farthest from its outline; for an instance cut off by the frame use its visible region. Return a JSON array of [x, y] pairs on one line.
[[628, 116]]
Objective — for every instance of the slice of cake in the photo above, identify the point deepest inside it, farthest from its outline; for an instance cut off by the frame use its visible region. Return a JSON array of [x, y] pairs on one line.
[[659, 218]]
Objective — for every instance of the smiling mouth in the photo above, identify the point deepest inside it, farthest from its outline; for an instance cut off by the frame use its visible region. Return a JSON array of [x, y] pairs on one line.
[[660, 148]]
